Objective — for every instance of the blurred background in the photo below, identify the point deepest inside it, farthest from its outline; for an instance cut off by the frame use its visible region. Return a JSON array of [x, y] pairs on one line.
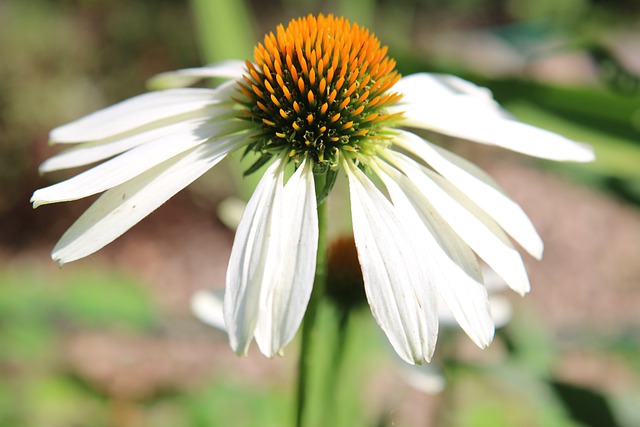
[[110, 340]]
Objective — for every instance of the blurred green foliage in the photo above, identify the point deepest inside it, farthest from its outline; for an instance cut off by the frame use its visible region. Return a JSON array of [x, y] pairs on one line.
[[36, 314], [63, 59]]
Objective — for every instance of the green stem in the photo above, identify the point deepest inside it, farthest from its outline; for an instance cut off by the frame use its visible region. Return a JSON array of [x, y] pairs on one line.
[[308, 325], [224, 29], [333, 373]]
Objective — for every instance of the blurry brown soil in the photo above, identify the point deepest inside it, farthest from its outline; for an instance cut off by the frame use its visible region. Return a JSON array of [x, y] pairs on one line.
[[589, 279], [590, 275], [587, 287]]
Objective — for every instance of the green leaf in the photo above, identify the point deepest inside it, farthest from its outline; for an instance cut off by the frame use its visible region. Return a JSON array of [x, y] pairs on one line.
[[585, 405], [262, 160]]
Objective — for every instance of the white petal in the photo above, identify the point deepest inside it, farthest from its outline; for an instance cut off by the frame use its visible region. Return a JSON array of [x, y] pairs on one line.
[[442, 85], [249, 256], [457, 86], [478, 119], [90, 152], [232, 69], [291, 263], [501, 310], [451, 264], [138, 160], [123, 206], [134, 113], [475, 227], [480, 188], [492, 281], [500, 307], [412, 202], [207, 306], [230, 211], [426, 379], [273, 259], [402, 299], [434, 90]]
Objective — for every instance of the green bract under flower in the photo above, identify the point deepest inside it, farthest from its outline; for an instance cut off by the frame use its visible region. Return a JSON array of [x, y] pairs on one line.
[[319, 89]]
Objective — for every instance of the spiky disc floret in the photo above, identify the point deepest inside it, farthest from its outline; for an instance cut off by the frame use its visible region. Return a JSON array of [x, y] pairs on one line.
[[319, 89]]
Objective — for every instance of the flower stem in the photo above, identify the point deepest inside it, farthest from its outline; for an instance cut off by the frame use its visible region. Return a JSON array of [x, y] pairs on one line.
[[223, 28], [337, 356], [308, 326]]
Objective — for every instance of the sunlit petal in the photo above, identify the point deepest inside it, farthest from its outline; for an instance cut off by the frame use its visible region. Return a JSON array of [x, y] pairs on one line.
[[434, 89], [231, 69], [479, 119], [478, 187], [123, 206], [90, 152], [475, 227], [291, 264], [451, 264], [402, 298], [247, 271], [149, 109], [138, 160]]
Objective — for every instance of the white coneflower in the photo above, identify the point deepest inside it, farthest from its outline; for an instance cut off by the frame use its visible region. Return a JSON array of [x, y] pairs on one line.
[[321, 95]]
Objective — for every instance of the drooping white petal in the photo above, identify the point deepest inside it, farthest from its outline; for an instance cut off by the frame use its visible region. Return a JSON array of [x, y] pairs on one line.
[[426, 378], [452, 266], [272, 263], [138, 160], [291, 264], [480, 188], [478, 119], [412, 202], [146, 109], [492, 281], [123, 206], [91, 152], [501, 310], [207, 306], [402, 299], [231, 69], [230, 211], [249, 256], [472, 224], [499, 305]]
